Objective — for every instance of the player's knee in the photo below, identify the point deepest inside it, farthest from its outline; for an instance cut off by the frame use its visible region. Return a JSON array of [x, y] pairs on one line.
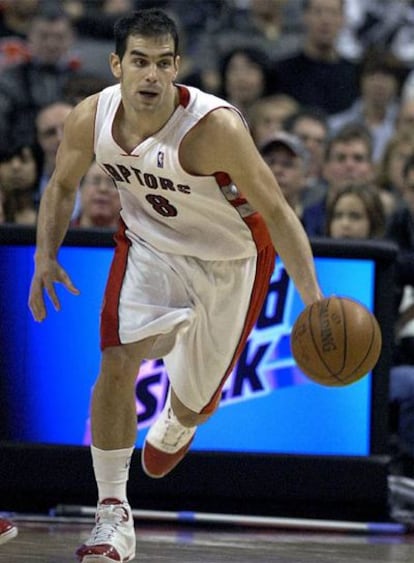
[[186, 416], [192, 418], [117, 368]]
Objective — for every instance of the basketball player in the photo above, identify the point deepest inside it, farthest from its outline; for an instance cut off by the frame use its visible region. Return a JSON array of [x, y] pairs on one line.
[[192, 262], [7, 530]]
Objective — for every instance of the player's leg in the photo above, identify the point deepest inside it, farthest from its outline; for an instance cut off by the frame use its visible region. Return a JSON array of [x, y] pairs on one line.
[[170, 437], [7, 530], [113, 414], [227, 304], [114, 428]]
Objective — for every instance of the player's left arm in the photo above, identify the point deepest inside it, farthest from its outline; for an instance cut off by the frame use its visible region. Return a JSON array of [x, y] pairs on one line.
[[222, 143]]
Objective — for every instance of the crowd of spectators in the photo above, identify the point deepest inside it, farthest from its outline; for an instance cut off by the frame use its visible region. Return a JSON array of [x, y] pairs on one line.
[[326, 87]]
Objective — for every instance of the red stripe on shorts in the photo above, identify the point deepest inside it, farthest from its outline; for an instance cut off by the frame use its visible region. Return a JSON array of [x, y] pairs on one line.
[[264, 271], [110, 307]]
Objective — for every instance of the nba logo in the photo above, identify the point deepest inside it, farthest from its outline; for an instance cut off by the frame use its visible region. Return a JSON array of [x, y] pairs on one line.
[[160, 159]]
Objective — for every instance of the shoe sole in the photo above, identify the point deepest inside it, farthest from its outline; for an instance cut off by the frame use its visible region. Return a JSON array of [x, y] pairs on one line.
[[104, 559], [9, 535]]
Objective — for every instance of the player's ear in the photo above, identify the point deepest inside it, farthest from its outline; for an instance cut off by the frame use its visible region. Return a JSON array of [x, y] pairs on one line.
[[115, 65], [177, 61]]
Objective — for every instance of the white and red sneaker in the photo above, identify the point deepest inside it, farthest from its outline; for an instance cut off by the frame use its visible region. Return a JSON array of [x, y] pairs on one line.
[[113, 537], [166, 444], [7, 530]]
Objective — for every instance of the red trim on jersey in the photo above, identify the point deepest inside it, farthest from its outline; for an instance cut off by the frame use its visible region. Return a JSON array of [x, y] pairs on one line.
[[259, 230], [264, 271], [222, 178], [254, 221], [110, 307], [183, 96]]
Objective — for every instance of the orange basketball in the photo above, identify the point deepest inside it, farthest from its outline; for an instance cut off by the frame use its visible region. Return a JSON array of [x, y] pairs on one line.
[[336, 341]]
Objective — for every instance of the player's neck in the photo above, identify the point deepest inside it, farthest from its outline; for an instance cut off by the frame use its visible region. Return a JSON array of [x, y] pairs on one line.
[[144, 123]]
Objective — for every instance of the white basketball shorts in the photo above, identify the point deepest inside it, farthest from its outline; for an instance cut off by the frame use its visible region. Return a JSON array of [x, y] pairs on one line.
[[201, 313]]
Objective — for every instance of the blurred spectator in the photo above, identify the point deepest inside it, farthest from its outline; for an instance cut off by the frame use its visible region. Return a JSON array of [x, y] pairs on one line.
[[96, 18], [197, 19], [348, 160], [82, 85], [26, 87], [378, 103], [19, 175], [288, 159], [93, 22], [262, 26], [244, 77], [401, 231], [311, 126], [100, 201], [267, 115], [15, 20], [390, 169], [388, 25], [317, 75], [405, 117], [356, 211], [49, 128]]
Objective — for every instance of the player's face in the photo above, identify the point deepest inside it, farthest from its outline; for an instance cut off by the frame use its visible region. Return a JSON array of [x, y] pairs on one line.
[[147, 72]]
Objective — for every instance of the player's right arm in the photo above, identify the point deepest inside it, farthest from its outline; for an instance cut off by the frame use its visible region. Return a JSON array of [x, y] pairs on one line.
[[73, 159]]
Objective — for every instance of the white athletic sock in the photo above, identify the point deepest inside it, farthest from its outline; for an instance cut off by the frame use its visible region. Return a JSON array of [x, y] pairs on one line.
[[111, 469]]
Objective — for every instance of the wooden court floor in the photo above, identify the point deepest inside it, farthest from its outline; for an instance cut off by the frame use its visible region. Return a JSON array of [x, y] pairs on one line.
[[55, 542]]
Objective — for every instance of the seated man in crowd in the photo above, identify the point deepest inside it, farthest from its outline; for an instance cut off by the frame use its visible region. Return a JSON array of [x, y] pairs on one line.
[[348, 160], [28, 86], [99, 198], [288, 159]]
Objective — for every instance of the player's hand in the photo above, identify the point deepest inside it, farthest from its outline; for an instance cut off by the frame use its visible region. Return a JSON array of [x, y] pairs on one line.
[[47, 273]]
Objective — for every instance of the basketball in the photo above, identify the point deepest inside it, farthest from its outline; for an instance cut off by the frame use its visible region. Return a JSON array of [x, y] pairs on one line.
[[336, 341]]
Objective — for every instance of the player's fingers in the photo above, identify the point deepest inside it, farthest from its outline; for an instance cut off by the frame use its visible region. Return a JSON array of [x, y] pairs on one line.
[[37, 309], [50, 290], [67, 282], [36, 302]]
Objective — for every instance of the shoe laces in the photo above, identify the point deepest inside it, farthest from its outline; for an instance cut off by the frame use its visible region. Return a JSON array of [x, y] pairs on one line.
[[174, 431], [108, 519]]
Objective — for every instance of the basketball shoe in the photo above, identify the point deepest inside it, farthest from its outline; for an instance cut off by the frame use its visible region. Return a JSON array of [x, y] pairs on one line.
[[113, 537], [166, 444], [7, 530]]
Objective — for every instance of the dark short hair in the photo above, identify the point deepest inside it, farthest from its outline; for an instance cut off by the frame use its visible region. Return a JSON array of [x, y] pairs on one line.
[[352, 131], [254, 55], [149, 22], [307, 112], [376, 60], [8, 152]]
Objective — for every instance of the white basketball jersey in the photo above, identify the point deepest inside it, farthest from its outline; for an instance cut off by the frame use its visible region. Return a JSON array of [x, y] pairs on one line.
[[176, 212]]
